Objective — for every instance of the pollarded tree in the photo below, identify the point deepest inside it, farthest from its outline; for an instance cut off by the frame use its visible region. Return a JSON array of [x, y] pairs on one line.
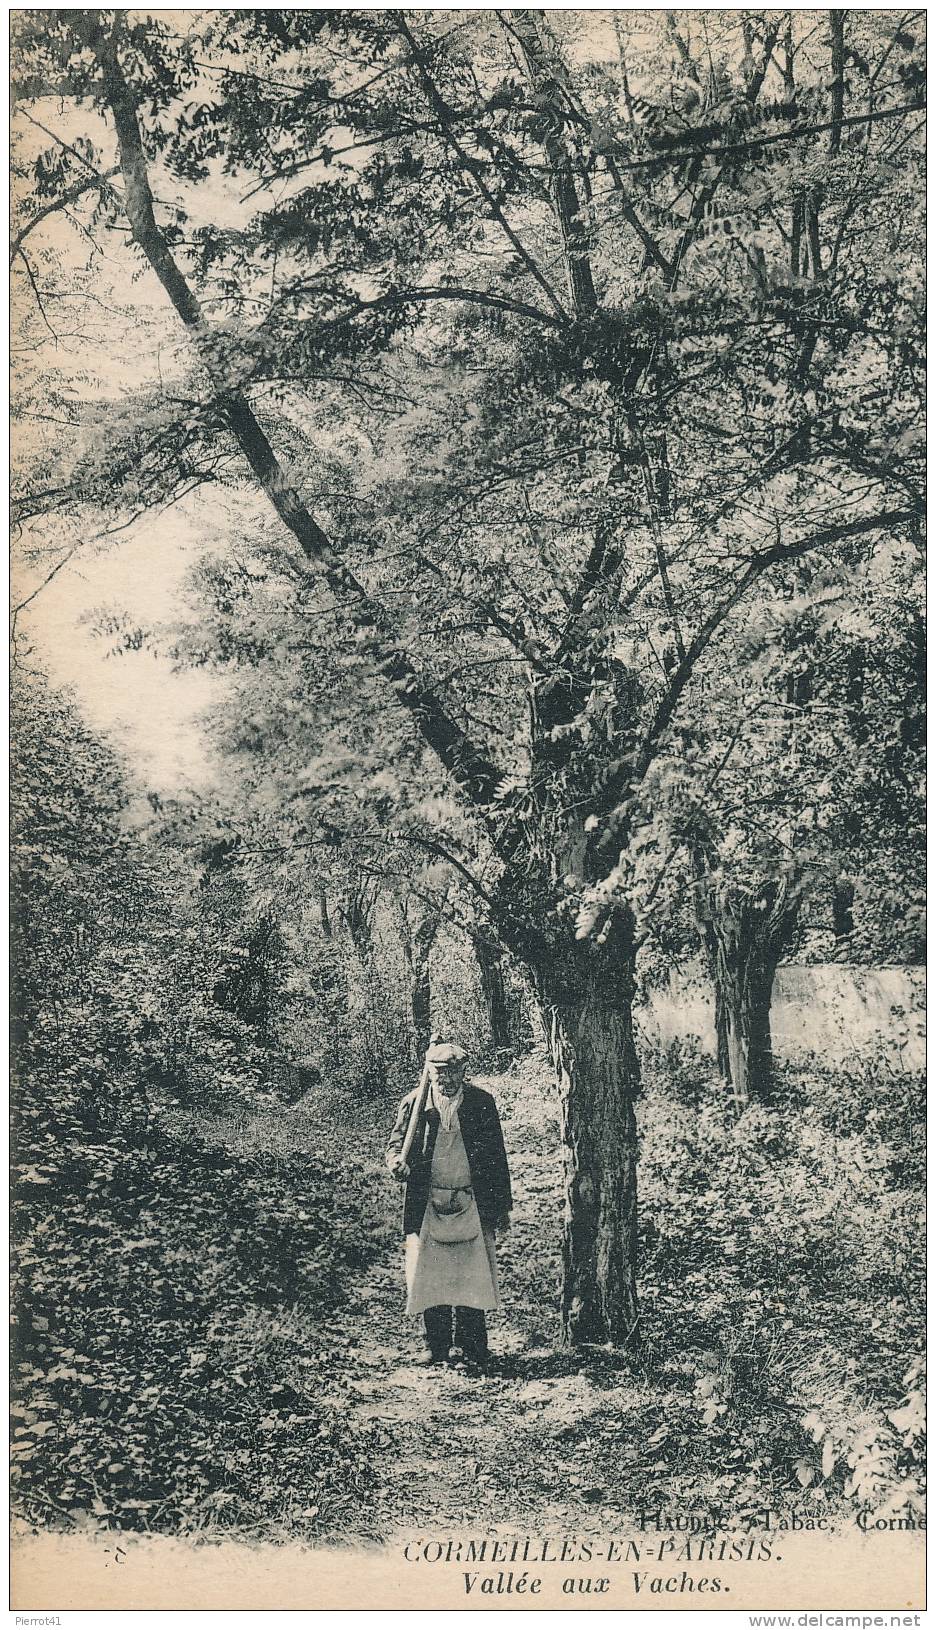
[[801, 776], [545, 348]]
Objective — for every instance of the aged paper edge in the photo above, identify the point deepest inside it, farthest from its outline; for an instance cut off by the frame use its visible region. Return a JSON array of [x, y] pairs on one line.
[[53, 1572]]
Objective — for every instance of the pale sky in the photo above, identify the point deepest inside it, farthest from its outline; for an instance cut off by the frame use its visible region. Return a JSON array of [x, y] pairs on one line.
[[135, 699], [122, 336]]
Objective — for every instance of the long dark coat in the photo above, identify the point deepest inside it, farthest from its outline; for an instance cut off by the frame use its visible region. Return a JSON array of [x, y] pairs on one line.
[[484, 1146]]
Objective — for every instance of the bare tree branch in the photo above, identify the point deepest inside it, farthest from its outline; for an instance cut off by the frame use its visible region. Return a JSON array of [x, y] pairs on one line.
[[761, 562], [70, 196], [21, 253], [753, 144], [474, 169], [546, 79], [420, 296], [470, 767]]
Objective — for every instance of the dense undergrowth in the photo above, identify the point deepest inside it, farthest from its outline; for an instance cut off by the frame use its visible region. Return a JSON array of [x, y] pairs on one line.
[[187, 1361], [783, 1280], [173, 1292], [781, 1271], [173, 1312], [197, 1276]]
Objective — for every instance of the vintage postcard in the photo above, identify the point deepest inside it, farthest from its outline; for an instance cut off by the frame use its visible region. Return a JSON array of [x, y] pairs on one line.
[[468, 827]]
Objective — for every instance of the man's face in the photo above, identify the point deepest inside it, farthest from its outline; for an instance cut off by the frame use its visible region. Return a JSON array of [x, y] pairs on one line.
[[447, 1078]]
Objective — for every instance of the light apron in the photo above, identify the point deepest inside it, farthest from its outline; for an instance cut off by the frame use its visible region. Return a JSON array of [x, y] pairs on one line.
[[463, 1274]]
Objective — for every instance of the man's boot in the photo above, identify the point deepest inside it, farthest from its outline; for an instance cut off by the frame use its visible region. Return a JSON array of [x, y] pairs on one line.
[[438, 1322], [471, 1335]]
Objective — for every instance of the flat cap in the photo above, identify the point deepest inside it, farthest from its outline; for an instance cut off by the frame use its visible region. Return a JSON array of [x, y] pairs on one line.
[[443, 1052]]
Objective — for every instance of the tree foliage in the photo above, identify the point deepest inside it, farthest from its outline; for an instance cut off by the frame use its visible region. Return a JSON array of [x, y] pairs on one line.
[[561, 356]]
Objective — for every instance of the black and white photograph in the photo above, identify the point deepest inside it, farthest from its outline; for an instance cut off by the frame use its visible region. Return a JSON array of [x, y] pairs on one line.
[[468, 809]]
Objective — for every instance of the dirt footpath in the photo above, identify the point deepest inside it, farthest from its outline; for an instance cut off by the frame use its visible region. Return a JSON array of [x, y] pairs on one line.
[[522, 1443]]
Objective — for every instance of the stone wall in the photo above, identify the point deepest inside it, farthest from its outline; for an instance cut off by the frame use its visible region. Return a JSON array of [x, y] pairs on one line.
[[839, 1013]]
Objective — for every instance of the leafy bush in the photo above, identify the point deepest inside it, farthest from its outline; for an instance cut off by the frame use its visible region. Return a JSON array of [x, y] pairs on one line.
[[138, 1248], [140, 1396], [782, 1269]]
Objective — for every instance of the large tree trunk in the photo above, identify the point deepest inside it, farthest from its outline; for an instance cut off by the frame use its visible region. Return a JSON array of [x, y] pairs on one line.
[[744, 977], [586, 1004], [584, 987], [745, 934]]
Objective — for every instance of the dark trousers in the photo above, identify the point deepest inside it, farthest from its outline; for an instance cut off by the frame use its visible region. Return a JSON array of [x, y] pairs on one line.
[[464, 1327]]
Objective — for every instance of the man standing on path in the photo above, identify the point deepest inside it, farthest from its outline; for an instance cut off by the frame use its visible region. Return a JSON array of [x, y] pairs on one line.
[[457, 1194]]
